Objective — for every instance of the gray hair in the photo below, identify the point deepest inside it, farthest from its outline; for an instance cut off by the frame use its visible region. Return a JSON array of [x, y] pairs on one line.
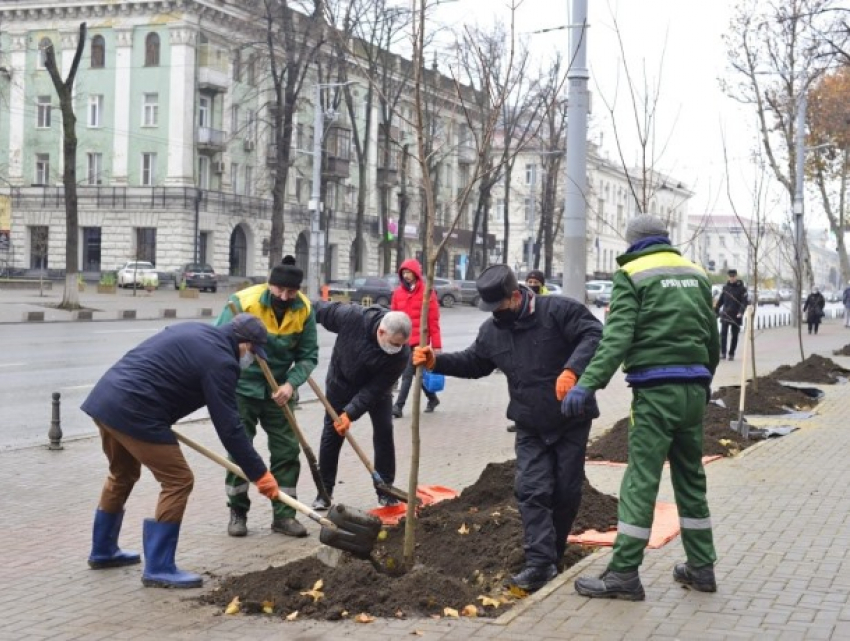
[[397, 324]]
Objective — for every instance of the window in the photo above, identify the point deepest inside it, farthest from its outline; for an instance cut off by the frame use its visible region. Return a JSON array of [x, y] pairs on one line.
[[251, 71], [203, 242], [91, 249], [234, 177], [95, 111], [152, 50], [204, 172], [249, 180], [250, 125], [529, 204], [39, 236], [338, 144], [146, 244], [722, 240], [94, 168], [43, 45], [42, 169], [234, 118], [530, 171], [98, 52], [150, 110], [299, 136], [148, 169], [43, 112], [204, 111], [237, 65]]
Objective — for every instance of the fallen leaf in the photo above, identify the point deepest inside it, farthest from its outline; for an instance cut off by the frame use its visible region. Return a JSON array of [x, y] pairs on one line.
[[417, 633], [463, 529], [268, 607], [344, 613], [382, 535], [363, 618], [469, 611], [233, 607], [450, 612], [496, 515], [517, 592], [725, 442], [488, 601], [292, 616]]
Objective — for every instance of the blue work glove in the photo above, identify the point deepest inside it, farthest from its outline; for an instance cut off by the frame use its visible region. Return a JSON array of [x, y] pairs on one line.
[[580, 402]]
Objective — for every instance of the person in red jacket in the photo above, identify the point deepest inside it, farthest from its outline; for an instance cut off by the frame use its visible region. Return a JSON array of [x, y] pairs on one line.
[[407, 298]]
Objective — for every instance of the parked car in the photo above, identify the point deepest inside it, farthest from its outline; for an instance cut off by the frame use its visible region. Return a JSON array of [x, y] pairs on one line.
[[448, 291], [137, 273], [595, 287], [603, 298], [554, 289], [468, 292], [379, 290], [768, 297], [197, 276]]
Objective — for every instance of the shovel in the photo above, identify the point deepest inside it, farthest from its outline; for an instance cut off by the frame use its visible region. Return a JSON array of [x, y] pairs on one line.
[[344, 528], [379, 483], [742, 427], [290, 417]]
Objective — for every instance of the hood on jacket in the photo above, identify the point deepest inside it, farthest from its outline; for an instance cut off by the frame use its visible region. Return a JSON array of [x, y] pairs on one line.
[[413, 265]]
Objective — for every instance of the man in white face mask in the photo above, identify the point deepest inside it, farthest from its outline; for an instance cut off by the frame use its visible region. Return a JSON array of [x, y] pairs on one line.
[[369, 355]]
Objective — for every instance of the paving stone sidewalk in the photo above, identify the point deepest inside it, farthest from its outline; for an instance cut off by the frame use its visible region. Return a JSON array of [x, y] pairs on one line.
[[780, 512]]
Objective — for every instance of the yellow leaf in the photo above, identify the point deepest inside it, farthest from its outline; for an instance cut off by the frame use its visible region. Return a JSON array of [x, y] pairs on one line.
[[487, 601], [518, 592], [363, 618], [725, 442], [450, 612], [268, 607], [233, 606], [469, 611], [318, 585], [463, 529], [382, 535], [292, 616], [316, 592]]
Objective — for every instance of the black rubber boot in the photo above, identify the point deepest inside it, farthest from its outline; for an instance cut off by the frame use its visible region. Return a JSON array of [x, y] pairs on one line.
[[105, 552], [238, 525], [612, 585], [533, 577], [290, 527], [700, 579], [160, 543]]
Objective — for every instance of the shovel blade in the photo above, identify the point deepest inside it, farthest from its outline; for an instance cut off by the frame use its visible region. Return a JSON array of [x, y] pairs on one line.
[[356, 531]]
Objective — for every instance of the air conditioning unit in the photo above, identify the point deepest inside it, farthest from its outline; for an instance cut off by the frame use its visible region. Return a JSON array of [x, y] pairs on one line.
[[249, 145], [218, 166]]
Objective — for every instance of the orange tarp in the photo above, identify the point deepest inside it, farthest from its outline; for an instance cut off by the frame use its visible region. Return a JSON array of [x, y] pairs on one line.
[[665, 527], [428, 494]]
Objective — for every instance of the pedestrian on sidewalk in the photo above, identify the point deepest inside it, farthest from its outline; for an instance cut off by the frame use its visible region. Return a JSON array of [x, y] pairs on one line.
[[813, 307], [730, 308], [369, 355], [846, 300], [167, 377], [541, 344], [293, 353], [663, 331], [407, 298]]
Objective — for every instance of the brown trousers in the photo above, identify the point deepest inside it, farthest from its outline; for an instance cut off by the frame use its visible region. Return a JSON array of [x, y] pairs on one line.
[[126, 456]]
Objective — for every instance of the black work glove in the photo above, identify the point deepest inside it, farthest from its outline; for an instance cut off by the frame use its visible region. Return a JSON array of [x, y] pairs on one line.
[[707, 393]]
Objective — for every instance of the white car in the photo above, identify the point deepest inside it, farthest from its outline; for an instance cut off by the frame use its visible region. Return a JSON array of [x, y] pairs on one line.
[[137, 274], [594, 288]]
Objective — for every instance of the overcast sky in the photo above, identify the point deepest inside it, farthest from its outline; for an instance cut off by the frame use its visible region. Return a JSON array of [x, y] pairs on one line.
[[679, 45]]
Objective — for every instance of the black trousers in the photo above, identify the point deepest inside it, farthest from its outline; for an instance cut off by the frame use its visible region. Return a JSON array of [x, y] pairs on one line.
[[725, 328], [407, 381], [382, 441], [549, 479]]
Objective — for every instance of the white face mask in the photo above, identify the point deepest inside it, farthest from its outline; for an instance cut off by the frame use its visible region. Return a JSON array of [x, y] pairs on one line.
[[389, 348], [246, 360]]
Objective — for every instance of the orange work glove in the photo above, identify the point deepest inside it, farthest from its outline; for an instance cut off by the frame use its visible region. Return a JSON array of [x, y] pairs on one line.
[[267, 484], [342, 424], [424, 356], [565, 383]]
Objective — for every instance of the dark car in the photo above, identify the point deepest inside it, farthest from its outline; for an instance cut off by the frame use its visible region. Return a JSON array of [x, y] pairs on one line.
[[448, 291], [468, 292], [375, 288], [197, 276]]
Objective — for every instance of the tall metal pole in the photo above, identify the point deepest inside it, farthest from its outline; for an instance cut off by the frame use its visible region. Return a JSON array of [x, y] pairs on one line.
[[531, 217], [575, 209], [198, 196], [315, 205], [800, 151]]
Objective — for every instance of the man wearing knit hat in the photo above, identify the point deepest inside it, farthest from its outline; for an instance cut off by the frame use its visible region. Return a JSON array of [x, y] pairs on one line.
[[661, 327], [536, 281], [293, 352]]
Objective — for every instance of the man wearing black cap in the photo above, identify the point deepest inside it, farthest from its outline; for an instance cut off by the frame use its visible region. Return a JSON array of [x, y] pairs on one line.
[[730, 308], [541, 343], [293, 352], [135, 404]]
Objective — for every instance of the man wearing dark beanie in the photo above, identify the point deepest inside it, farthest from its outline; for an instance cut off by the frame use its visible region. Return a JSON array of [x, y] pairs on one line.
[[293, 352]]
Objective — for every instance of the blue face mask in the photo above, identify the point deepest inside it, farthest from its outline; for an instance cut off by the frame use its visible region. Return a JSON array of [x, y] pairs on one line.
[[246, 360]]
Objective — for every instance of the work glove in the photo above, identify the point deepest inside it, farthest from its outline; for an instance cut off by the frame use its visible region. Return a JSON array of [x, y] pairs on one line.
[[580, 402], [565, 383], [267, 484], [342, 424], [424, 356]]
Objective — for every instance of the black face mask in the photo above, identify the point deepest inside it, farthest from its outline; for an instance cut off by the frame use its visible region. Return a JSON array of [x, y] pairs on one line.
[[534, 288], [280, 305], [505, 317]]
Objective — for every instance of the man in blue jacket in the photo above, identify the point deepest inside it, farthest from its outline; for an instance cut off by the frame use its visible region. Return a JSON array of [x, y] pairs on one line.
[[134, 405]]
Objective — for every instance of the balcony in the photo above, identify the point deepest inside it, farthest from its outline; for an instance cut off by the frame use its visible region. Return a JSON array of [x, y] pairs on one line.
[[210, 139], [466, 153], [271, 154], [387, 176], [334, 167], [212, 68]]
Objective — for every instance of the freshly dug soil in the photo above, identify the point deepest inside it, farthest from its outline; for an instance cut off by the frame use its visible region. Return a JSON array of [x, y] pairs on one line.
[[718, 438], [465, 549], [771, 397], [844, 351], [815, 369]]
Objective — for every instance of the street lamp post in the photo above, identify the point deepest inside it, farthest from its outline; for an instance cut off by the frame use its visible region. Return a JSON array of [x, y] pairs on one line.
[[199, 194], [533, 169]]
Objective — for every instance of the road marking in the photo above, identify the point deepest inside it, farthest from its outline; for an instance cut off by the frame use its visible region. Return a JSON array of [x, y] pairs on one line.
[[88, 386], [13, 364]]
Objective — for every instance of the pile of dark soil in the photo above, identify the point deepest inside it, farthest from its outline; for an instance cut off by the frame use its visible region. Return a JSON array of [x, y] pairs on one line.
[[718, 438], [815, 369], [770, 398], [844, 351], [465, 548]]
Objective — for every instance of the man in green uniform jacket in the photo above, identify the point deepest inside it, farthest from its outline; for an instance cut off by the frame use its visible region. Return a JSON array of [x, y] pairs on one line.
[[293, 352], [662, 328]]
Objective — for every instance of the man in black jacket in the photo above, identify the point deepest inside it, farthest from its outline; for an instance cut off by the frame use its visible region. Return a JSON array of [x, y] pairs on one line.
[[730, 308], [134, 405], [369, 355], [542, 344]]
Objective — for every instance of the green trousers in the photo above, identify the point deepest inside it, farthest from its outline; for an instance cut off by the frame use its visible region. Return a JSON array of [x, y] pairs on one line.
[[665, 423], [285, 464]]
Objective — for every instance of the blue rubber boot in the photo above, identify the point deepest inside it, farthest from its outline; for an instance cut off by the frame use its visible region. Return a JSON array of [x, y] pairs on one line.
[[160, 543], [105, 552]]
